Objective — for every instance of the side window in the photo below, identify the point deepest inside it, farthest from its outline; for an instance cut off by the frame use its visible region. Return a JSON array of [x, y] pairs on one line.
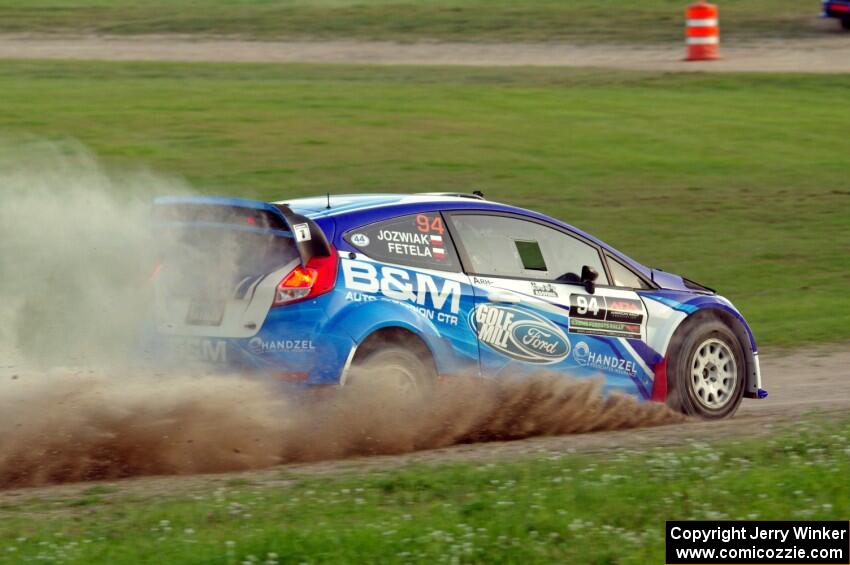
[[502, 246], [418, 240], [623, 276]]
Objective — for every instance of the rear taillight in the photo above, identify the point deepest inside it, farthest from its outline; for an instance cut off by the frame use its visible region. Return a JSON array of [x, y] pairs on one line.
[[310, 281]]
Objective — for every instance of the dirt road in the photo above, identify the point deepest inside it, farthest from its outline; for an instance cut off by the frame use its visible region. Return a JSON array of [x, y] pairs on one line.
[[811, 383], [830, 54]]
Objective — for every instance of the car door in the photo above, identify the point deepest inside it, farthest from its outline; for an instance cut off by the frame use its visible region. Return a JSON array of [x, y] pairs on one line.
[[532, 311]]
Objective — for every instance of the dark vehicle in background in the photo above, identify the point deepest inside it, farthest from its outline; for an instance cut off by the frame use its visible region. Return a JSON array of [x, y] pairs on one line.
[[838, 9]]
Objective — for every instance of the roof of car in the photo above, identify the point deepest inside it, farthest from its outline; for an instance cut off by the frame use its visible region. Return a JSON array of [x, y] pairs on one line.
[[348, 211], [336, 204], [352, 210]]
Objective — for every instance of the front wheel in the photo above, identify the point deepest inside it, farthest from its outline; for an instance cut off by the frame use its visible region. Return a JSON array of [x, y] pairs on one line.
[[707, 371], [845, 23]]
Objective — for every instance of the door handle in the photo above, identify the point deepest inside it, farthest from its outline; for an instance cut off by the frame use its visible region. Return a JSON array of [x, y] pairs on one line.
[[503, 296]]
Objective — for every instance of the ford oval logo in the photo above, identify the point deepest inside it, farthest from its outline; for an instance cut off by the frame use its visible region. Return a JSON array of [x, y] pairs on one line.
[[519, 334]]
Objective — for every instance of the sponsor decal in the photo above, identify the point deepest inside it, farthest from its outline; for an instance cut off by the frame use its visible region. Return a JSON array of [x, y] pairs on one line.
[[624, 310], [544, 289], [360, 240], [586, 357], [597, 327], [594, 314], [433, 315], [399, 284], [411, 240], [402, 237], [258, 345], [483, 282], [359, 297], [201, 349], [410, 244], [625, 305], [581, 352], [519, 334], [302, 232]]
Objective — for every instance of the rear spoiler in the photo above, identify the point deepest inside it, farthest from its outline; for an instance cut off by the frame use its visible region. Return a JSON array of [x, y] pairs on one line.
[[245, 215]]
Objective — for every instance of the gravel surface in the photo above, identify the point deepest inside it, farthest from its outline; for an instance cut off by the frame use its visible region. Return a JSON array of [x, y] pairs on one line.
[[806, 384], [829, 54]]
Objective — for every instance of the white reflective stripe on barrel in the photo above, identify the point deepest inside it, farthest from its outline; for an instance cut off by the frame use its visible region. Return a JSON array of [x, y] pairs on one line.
[[712, 22], [703, 40]]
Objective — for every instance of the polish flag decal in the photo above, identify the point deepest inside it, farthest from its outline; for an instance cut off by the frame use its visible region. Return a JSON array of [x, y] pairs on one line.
[[437, 249]]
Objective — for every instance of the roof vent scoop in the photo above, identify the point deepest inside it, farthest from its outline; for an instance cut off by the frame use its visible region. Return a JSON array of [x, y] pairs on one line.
[[477, 195]]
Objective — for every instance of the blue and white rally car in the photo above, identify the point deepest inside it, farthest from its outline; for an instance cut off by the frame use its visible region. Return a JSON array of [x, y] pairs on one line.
[[433, 285]]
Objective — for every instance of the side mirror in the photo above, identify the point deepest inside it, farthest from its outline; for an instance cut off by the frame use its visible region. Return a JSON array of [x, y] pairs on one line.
[[588, 277]]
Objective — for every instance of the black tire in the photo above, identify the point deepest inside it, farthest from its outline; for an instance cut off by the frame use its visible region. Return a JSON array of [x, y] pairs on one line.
[[706, 370], [393, 365], [845, 23]]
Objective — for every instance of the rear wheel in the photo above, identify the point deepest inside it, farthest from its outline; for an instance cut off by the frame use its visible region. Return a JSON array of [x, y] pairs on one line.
[[394, 367], [845, 23], [707, 371]]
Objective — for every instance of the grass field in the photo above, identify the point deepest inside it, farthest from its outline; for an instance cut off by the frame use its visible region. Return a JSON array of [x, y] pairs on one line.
[[407, 20], [568, 509], [737, 181]]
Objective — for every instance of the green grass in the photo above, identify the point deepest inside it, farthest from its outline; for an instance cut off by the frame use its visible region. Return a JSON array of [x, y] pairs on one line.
[[737, 181], [407, 20], [564, 508]]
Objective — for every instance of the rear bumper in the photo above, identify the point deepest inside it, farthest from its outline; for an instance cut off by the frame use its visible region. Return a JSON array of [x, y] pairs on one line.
[[293, 346], [287, 360]]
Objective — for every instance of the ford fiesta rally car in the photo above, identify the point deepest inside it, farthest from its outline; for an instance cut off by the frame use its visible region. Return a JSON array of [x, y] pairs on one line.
[[433, 285]]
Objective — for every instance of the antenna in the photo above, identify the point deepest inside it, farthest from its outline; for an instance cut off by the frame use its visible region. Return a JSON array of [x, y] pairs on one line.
[[329, 201]]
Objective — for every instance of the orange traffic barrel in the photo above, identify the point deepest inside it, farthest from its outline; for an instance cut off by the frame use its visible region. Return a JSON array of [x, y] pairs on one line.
[[703, 32]]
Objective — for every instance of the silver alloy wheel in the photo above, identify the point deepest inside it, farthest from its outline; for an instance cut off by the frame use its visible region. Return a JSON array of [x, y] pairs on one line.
[[397, 376], [714, 374]]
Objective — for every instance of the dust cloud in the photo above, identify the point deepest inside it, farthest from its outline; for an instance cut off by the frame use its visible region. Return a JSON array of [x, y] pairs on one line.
[[76, 402], [75, 253], [72, 427]]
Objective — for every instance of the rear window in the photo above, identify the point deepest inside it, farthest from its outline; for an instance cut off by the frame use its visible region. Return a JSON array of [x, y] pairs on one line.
[[417, 240], [217, 262]]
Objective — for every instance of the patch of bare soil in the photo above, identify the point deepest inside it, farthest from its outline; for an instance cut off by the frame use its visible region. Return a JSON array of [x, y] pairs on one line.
[[829, 54]]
